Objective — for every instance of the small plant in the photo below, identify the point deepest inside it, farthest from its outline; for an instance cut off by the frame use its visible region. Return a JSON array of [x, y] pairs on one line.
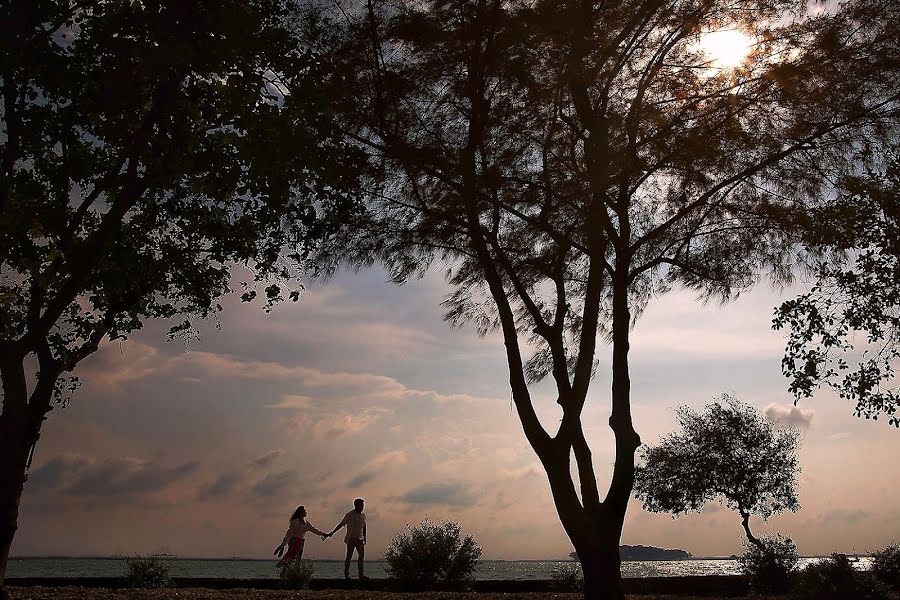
[[770, 568], [297, 574], [886, 566], [568, 577], [147, 572], [835, 579], [433, 555]]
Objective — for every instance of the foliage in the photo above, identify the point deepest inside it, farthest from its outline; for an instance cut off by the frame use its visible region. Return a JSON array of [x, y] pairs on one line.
[[834, 578], [568, 577], [433, 554], [857, 292], [770, 567], [121, 203], [297, 574], [149, 151], [571, 160], [730, 453], [886, 565], [147, 572]]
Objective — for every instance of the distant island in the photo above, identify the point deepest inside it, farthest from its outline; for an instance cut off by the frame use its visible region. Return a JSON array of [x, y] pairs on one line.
[[648, 553]]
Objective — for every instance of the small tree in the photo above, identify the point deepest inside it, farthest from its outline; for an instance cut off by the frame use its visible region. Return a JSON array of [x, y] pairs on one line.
[[834, 578], [297, 574], [433, 554], [147, 572], [770, 567], [729, 453], [886, 565]]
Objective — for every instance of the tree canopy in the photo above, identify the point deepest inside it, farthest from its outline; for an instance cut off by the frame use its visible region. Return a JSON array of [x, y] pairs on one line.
[[568, 161], [845, 332], [728, 453], [146, 149]]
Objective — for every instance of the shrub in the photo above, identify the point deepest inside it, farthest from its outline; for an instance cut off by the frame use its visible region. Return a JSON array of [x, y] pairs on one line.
[[297, 574], [432, 555], [147, 572], [835, 578], [568, 577], [886, 565], [770, 569]]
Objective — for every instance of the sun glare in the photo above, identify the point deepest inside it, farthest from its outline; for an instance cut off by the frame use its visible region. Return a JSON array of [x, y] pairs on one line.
[[726, 48]]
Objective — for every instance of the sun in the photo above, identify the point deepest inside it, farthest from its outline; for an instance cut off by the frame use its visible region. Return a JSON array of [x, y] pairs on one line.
[[726, 48]]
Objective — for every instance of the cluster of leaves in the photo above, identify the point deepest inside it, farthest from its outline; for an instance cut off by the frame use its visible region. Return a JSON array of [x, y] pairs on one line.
[[147, 572], [770, 565], [857, 295], [297, 574], [433, 555], [123, 202], [835, 578], [568, 577], [730, 453], [886, 565]]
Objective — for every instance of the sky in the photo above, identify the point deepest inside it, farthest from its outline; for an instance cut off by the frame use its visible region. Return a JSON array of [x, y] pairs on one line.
[[361, 390]]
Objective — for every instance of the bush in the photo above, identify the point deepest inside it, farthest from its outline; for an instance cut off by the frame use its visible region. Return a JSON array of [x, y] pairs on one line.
[[147, 572], [433, 555], [886, 565], [297, 574], [835, 579], [770, 569], [568, 577]]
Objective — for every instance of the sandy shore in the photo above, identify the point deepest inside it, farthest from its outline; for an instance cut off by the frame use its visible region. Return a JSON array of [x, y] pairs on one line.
[[77, 593]]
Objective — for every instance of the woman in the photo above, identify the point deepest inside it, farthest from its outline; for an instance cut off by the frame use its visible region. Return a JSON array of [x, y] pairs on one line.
[[294, 537]]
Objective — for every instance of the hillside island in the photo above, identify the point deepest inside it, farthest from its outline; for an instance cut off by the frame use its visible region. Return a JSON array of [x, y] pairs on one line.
[[648, 553]]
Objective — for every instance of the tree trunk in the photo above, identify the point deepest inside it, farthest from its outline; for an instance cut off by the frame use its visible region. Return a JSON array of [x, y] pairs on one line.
[[20, 423], [602, 568], [15, 442], [745, 521]]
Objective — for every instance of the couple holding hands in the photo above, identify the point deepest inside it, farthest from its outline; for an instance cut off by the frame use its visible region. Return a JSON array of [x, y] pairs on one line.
[[355, 538]]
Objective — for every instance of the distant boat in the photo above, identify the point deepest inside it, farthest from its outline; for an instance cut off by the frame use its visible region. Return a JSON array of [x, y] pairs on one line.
[[648, 553]]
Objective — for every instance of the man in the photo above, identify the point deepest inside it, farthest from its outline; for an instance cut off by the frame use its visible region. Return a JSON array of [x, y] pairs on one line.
[[355, 538]]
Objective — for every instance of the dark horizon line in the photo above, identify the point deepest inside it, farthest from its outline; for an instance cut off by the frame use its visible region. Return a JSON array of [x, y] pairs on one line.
[[340, 560]]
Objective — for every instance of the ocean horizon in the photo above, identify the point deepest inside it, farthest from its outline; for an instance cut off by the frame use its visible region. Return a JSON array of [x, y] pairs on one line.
[[259, 568]]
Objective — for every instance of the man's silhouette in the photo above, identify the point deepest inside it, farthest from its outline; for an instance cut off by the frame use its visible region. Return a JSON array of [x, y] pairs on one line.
[[355, 538]]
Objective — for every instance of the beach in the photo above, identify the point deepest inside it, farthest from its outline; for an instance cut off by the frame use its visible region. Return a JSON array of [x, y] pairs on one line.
[[79, 593]]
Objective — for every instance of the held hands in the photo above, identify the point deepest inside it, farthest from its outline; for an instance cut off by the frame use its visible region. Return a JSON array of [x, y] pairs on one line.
[[279, 551]]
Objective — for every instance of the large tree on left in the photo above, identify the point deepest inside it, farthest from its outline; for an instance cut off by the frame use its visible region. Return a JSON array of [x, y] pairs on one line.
[[138, 163]]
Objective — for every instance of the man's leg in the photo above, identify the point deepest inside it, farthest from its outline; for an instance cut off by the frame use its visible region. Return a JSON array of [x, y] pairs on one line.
[[361, 553], [347, 560]]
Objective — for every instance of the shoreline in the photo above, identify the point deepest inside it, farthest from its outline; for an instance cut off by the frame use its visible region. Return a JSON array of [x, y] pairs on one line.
[[699, 585]]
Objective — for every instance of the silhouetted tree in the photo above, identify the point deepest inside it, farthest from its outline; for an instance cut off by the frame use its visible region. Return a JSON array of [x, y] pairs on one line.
[[728, 453], [571, 160], [145, 148], [855, 300]]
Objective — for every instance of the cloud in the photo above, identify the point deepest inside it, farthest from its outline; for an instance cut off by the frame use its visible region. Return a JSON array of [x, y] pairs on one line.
[[294, 402], [376, 466], [266, 459], [126, 477], [792, 416], [332, 426], [274, 483], [360, 480], [450, 493], [840, 516], [219, 488], [52, 473]]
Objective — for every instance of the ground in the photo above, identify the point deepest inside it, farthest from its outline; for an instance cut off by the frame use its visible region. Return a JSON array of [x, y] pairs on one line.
[[76, 593]]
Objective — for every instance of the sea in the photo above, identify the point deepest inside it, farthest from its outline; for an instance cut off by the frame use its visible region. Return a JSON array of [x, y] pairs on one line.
[[236, 568]]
